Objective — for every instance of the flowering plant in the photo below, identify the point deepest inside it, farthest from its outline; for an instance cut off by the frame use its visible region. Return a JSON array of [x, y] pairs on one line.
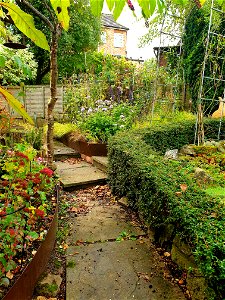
[[101, 125], [24, 206]]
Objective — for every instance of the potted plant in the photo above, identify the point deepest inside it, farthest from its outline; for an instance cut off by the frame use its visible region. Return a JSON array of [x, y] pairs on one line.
[[27, 212]]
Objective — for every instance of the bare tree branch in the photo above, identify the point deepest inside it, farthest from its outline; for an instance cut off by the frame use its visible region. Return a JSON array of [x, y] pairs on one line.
[[37, 13]]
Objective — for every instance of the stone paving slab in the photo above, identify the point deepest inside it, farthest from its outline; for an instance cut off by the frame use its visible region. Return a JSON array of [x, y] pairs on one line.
[[104, 268], [62, 151], [117, 271], [80, 174], [101, 162], [102, 223]]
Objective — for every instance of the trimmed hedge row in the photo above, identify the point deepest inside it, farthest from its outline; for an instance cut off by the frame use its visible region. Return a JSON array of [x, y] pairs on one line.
[[152, 185], [174, 136]]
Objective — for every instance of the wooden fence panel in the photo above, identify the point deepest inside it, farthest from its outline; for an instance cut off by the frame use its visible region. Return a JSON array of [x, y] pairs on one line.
[[35, 99]]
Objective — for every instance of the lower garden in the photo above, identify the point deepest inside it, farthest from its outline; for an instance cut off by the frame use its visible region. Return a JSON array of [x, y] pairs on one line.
[[180, 195]]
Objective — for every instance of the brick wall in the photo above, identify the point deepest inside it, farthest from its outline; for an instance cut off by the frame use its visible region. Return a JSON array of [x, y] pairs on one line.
[[109, 46]]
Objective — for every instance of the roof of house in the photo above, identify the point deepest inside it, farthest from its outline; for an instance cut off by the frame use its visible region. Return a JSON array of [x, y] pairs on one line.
[[108, 21]]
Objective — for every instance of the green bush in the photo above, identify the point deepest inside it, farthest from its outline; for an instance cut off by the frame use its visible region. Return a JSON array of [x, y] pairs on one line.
[[101, 125], [153, 186], [166, 136]]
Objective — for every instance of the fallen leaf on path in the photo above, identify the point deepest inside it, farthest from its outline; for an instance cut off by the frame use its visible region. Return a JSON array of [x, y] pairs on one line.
[[79, 242], [181, 282], [144, 276], [166, 254], [74, 209]]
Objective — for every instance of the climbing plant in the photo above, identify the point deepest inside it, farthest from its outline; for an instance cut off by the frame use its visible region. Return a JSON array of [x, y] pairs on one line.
[[197, 24]]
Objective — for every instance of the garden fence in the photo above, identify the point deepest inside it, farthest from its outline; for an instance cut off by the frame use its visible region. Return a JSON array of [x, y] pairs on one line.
[[35, 99]]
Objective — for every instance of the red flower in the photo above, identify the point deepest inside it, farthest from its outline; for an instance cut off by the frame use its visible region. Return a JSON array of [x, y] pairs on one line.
[[20, 154], [36, 180], [24, 195], [47, 172], [24, 184], [40, 213], [22, 163], [12, 232]]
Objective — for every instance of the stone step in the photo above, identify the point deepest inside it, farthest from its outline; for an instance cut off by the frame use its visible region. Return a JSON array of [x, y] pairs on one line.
[[100, 162], [63, 152], [79, 175]]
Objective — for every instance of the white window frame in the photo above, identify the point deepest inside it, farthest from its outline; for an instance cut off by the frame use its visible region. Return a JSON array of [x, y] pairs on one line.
[[103, 37], [118, 40]]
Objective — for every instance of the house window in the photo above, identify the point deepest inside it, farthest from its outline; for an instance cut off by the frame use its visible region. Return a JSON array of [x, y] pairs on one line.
[[118, 40], [103, 37]]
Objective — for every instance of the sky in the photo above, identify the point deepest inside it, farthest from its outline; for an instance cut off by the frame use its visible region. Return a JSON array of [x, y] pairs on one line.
[[137, 29]]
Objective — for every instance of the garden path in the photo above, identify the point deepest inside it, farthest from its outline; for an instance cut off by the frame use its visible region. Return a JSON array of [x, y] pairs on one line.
[[109, 255]]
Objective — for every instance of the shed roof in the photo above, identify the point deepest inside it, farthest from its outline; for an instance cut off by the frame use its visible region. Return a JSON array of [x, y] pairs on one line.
[[108, 21]]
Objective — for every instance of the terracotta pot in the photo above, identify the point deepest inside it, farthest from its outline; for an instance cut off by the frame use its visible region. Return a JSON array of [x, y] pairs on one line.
[[23, 288]]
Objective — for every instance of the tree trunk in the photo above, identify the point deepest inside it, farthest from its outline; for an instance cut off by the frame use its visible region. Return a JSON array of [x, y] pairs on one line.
[[53, 99], [200, 128]]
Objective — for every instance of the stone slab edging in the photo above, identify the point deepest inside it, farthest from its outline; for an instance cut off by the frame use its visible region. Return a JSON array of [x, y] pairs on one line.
[[23, 288]]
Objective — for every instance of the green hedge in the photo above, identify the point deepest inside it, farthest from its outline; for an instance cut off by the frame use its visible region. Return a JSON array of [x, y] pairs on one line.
[[152, 185], [174, 136]]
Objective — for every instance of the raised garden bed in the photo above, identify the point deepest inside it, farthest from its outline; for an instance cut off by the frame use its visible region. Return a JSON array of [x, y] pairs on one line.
[[28, 219], [78, 143], [24, 286]]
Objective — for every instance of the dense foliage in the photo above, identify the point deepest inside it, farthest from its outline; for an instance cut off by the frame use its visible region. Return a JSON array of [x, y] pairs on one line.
[[112, 81], [16, 66], [165, 192], [25, 207], [196, 26], [83, 35]]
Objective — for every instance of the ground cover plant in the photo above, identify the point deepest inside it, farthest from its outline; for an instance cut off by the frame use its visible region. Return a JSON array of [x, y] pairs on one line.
[[166, 192], [26, 208]]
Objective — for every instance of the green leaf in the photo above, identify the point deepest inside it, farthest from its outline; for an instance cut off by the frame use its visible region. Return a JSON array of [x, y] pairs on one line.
[[96, 7], [152, 6], [160, 6], [25, 23], [2, 61], [119, 5], [33, 234], [110, 4], [61, 9], [16, 105], [145, 8], [17, 60]]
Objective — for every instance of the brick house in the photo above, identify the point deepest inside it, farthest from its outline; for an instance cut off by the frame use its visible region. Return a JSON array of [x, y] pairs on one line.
[[113, 37]]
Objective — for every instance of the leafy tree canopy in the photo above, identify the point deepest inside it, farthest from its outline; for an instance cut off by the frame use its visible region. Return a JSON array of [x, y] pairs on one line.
[[16, 66], [82, 35]]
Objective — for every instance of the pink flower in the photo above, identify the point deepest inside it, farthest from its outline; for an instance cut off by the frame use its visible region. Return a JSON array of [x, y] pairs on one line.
[[47, 172]]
